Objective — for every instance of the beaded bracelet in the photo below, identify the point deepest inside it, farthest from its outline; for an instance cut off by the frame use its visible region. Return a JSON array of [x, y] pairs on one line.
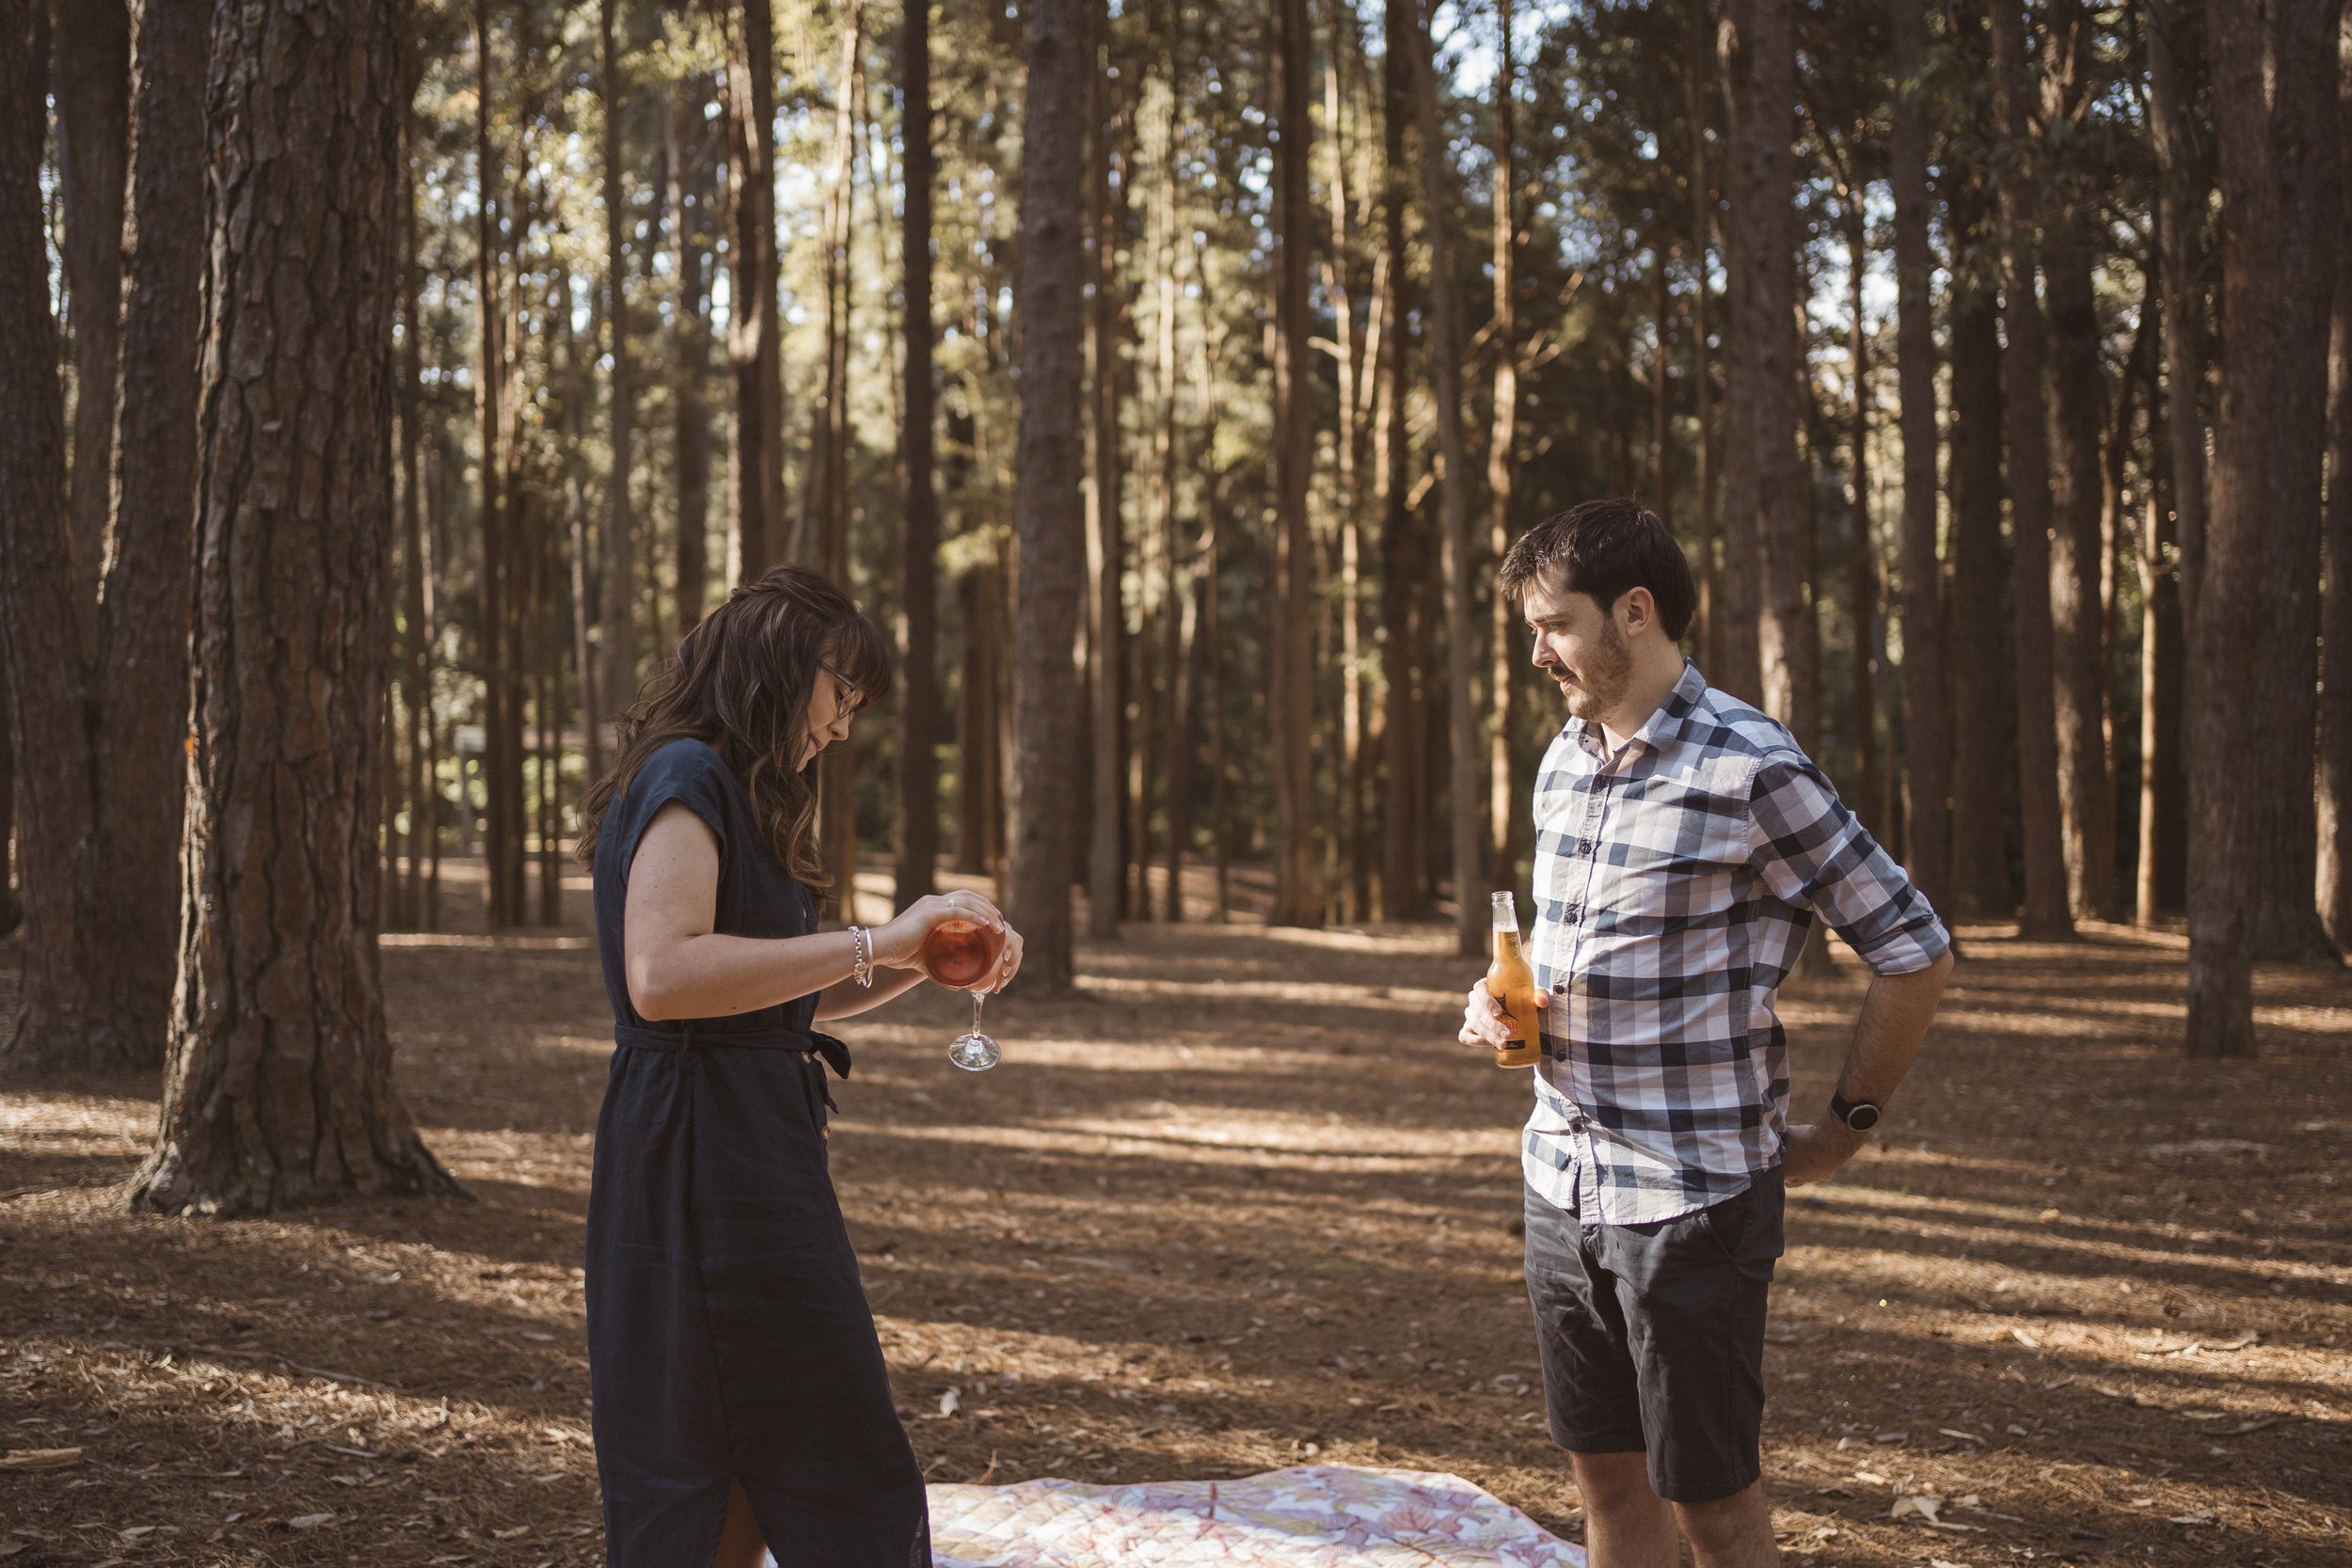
[[862, 960]]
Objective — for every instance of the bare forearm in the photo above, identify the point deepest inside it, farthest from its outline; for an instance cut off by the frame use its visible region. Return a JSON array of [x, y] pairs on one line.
[[1894, 1022], [718, 976], [847, 998]]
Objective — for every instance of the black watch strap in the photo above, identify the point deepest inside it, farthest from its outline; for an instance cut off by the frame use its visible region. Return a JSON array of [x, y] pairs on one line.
[[1860, 1114]]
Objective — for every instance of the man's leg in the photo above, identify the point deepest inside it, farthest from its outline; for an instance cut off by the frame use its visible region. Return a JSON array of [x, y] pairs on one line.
[[1731, 1532], [1626, 1524]]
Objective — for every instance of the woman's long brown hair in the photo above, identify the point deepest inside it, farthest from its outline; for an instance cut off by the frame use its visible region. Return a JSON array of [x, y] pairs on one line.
[[740, 683]]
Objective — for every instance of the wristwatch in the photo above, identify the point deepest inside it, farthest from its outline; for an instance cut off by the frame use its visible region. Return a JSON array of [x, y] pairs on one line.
[[1860, 1114]]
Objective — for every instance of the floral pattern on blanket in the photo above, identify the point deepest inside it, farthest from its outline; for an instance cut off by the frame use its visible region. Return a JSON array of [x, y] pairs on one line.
[[1313, 1516]]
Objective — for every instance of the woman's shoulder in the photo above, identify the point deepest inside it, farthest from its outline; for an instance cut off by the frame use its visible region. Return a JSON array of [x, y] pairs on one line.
[[685, 759]]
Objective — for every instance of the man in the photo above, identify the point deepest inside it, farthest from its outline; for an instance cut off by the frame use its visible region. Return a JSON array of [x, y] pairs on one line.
[[1684, 845]]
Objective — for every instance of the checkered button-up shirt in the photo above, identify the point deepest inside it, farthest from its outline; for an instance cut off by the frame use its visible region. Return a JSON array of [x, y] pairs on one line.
[[1676, 879]]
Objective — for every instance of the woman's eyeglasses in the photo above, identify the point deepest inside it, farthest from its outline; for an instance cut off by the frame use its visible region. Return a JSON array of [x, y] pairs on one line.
[[844, 699]]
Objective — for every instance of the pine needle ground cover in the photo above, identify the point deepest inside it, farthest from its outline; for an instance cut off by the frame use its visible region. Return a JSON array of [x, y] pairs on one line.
[[1242, 1206]]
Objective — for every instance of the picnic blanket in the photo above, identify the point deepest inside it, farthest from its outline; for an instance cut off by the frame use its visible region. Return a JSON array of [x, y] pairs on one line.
[[1311, 1516]]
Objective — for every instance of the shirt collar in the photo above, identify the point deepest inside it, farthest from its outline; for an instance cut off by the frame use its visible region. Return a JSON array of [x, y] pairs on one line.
[[1663, 727]]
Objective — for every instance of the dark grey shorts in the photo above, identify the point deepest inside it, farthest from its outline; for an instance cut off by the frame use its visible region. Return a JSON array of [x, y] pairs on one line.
[[1652, 1337]]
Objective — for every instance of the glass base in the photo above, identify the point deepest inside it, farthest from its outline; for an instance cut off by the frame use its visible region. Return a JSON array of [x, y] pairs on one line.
[[975, 1052]]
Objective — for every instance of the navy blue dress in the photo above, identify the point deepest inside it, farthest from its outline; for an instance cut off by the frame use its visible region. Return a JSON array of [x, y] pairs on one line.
[[728, 1333]]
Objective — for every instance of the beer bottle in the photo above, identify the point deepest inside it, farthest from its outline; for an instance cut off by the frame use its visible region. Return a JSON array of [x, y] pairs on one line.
[[1510, 982]]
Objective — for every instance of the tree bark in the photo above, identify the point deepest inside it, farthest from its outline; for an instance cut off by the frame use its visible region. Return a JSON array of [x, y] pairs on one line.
[[2184, 199], [278, 1089], [1106, 540], [2077, 549], [918, 539], [142, 692], [41, 642], [1766, 653], [1696, 99], [1463, 800], [1503, 791], [2334, 813], [1862, 566], [758, 455], [1049, 463], [690, 345], [1297, 893], [93, 45], [2027, 430], [2285, 666], [613, 688], [1983, 719], [1403, 889], [2163, 796], [1927, 762], [2222, 618]]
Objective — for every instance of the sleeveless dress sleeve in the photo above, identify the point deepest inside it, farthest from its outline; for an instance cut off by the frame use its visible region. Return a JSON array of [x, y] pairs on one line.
[[687, 771]]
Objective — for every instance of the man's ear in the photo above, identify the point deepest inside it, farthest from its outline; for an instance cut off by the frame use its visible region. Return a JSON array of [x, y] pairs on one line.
[[1636, 611]]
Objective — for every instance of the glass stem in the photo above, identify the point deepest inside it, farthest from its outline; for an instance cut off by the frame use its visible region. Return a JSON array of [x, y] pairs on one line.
[[976, 1012]]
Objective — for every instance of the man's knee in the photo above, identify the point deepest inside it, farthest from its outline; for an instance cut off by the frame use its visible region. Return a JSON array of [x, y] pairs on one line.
[[1737, 1529], [1612, 1483]]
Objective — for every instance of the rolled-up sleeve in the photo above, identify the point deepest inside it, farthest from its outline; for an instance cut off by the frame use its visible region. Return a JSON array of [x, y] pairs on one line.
[[1814, 854]]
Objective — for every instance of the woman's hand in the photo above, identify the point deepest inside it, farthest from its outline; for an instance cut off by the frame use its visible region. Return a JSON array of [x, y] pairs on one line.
[[898, 944]]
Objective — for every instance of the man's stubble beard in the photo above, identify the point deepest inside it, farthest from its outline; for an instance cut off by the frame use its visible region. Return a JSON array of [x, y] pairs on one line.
[[1607, 677]]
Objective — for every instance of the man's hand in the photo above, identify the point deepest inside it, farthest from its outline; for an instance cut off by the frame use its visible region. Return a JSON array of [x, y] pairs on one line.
[[1484, 1021], [1815, 1152]]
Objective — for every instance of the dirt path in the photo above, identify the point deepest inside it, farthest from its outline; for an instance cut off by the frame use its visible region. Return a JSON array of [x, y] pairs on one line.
[[1241, 1203]]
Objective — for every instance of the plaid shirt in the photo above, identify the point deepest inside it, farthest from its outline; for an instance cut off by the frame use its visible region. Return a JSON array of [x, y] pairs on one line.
[[1674, 883]]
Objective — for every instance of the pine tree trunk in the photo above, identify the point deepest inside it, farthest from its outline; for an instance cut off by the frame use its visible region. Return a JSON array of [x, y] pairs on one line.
[[2077, 549], [1862, 566], [93, 48], [1298, 894], [1177, 604], [689, 347], [1503, 792], [1927, 760], [758, 455], [2163, 795], [2222, 619], [825, 517], [2334, 814], [617, 678], [2285, 665], [1403, 878], [1696, 99], [1983, 719], [41, 642], [918, 541], [278, 1089], [2184, 199], [1048, 472], [500, 828], [1765, 654], [1106, 541], [2026, 429], [414, 648]]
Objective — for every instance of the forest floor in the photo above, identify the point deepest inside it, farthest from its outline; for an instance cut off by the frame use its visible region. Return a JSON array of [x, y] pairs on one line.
[[1241, 1203]]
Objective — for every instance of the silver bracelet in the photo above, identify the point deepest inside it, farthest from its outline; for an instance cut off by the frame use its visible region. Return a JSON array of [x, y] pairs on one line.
[[862, 959]]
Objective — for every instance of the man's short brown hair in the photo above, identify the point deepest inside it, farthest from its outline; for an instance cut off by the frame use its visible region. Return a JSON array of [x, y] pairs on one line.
[[1603, 549]]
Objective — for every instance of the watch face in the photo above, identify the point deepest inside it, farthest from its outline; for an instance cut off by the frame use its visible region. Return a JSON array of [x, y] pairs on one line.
[[1863, 1117]]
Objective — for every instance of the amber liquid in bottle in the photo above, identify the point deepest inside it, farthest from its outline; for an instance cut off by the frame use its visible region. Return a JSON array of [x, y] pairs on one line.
[[1510, 982]]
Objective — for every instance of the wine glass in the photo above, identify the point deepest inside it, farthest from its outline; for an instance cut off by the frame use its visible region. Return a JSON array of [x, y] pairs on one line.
[[959, 954]]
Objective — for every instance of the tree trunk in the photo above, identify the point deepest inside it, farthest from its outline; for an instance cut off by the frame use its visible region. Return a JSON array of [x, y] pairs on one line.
[[918, 539], [1402, 880], [2026, 427], [825, 520], [689, 347], [1048, 471], [1983, 719], [2334, 814], [1106, 541], [752, 349], [503, 894], [2222, 619], [1862, 566], [2285, 665], [1696, 101], [1297, 896], [1766, 655], [1926, 760], [40, 642], [1178, 624], [617, 679], [278, 1089], [2163, 796], [1503, 792], [2185, 188], [93, 44], [2078, 626]]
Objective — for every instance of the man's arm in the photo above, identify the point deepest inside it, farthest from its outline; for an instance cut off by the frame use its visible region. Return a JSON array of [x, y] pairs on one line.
[[1886, 1039]]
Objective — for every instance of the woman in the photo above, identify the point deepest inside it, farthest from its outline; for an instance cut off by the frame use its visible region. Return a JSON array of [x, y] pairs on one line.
[[741, 1398]]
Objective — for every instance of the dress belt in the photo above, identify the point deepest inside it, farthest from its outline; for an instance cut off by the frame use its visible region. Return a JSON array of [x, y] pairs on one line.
[[810, 1045]]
